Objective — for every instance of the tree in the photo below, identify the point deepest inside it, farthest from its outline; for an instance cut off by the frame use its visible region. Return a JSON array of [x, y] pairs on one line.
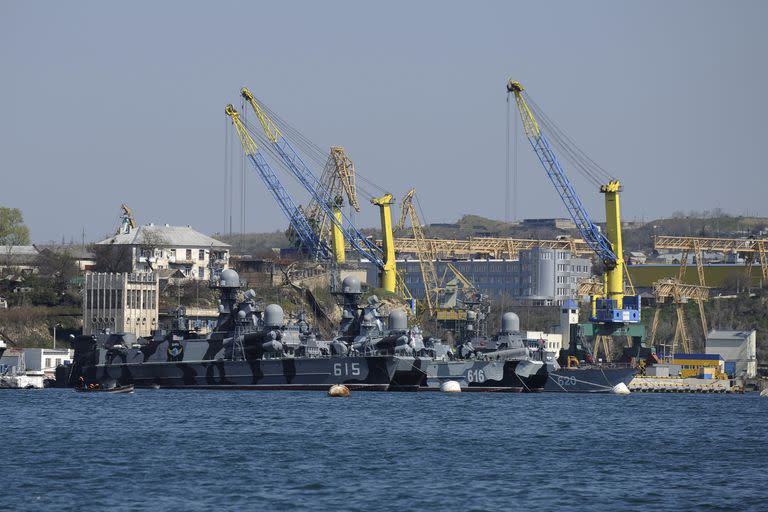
[[112, 258], [13, 231]]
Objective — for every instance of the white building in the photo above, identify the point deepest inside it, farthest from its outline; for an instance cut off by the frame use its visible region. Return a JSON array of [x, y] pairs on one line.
[[120, 302], [737, 348], [47, 359], [178, 248]]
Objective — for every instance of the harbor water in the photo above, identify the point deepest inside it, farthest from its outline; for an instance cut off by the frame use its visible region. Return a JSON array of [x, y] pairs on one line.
[[219, 450]]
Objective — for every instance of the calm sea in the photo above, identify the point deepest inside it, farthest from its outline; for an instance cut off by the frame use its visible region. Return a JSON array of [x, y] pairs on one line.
[[217, 450]]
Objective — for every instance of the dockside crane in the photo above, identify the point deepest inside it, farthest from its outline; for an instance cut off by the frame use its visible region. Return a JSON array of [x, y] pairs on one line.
[[384, 258], [615, 307], [338, 178], [309, 241], [423, 251]]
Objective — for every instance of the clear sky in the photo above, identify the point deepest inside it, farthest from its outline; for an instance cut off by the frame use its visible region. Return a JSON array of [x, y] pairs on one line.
[[109, 102]]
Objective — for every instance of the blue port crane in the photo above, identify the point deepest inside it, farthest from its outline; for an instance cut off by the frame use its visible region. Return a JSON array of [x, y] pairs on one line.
[[308, 239], [613, 307], [322, 197]]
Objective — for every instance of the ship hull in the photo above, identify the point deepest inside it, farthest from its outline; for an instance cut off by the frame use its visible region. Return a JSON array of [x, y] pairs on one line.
[[587, 380], [485, 376], [362, 373]]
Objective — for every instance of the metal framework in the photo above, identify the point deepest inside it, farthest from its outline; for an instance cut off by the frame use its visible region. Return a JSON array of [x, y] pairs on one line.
[[296, 218], [753, 249], [338, 178], [679, 293], [294, 163], [423, 250], [496, 248]]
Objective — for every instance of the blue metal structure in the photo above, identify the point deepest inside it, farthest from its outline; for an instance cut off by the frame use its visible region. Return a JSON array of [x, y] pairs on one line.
[[308, 239], [359, 242]]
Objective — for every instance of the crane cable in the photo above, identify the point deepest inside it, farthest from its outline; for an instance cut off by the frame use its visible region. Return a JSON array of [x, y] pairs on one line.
[[583, 164]]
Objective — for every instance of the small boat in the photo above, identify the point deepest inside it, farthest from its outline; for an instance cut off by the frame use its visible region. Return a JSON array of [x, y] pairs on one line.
[[116, 389]]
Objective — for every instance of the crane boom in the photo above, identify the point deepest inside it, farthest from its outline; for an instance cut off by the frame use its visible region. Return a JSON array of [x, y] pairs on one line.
[[426, 256], [312, 184], [589, 231], [298, 221], [607, 246]]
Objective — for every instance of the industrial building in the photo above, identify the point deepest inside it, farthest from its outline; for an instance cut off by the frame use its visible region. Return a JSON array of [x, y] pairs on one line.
[[738, 349], [178, 249], [541, 276], [121, 302]]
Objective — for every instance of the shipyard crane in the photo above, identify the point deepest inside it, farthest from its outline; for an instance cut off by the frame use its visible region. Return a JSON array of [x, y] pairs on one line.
[[612, 307], [309, 240], [128, 221], [338, 179], [680, 293], [492, 247], [383, 259], [423, 251], [751, 248]]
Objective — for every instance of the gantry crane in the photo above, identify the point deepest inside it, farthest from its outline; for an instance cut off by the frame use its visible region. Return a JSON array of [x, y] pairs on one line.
[[496, 248], [680, 293], [752, 248], [309, 241], [383, 259]]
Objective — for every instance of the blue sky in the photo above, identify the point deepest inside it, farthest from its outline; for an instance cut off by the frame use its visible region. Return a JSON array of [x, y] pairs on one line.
[[110, 102]]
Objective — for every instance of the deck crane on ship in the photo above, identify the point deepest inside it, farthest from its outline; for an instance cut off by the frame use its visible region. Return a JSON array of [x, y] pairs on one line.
[[612, 310]]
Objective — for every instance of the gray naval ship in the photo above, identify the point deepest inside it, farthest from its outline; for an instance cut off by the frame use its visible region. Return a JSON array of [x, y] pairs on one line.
[[506, 361], [252, 348]]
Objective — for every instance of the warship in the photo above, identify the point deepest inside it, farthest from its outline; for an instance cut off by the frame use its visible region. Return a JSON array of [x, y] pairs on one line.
[[252, 348], [576, 371], [506, 361]]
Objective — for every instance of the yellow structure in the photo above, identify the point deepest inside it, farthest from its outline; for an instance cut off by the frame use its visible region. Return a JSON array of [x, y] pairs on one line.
[[614, 277], [339, 248], [388, 273], [426, 256]]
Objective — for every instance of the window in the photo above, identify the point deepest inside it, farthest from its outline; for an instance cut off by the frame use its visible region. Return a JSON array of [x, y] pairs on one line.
[[189, 254], [58, 361], [201, 254], [201, 272], [47, 362], [173, 253]]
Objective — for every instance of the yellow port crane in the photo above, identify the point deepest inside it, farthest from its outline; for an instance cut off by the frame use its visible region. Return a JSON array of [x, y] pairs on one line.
[[338, 178], [492, 247], [423, 251], [613, 308]]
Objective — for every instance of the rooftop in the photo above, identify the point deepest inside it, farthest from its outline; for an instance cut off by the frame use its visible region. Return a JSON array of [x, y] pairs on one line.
[[176, 236]]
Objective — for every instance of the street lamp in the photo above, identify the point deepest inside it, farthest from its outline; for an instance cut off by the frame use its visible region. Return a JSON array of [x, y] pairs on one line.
[[54, 334]]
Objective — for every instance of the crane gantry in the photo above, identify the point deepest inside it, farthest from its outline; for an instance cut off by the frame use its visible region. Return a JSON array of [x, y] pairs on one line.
[[679, 293]]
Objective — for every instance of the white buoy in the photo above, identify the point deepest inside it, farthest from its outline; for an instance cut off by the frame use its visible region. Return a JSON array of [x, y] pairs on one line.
[[338, 390], [620, 389], [764, 392], [450, 386]]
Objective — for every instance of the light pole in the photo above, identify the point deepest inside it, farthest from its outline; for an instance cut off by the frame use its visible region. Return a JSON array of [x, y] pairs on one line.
[[54, 334]]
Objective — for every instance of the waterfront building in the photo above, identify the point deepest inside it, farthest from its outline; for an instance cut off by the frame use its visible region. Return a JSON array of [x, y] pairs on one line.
[[737, 348], [179, 249], [120, 302], [540, 277]]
